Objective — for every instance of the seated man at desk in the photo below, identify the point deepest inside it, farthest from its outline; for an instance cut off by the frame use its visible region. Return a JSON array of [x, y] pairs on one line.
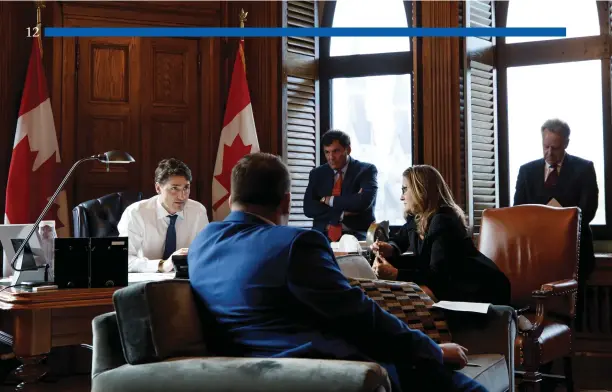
[[288, 298], [341, 194], [165, 224]]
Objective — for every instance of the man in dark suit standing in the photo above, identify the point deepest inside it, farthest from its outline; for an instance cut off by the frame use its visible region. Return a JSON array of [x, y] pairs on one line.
[[561, 179], [277, 291], [341, 194]]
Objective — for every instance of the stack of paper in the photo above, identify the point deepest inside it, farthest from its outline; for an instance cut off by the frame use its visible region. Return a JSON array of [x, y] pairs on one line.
[[476, 307]]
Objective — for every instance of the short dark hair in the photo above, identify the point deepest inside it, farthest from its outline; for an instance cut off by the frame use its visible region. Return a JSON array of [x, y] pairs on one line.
[[335, 134], [557, 126], [260, 179], [167, 168]]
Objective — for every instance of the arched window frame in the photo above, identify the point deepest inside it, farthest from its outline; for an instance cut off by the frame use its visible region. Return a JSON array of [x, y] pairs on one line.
[[375, 64], [556, 51]]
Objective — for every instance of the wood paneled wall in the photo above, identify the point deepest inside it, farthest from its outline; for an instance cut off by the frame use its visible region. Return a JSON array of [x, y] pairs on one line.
[[437, 70], [171, 92]]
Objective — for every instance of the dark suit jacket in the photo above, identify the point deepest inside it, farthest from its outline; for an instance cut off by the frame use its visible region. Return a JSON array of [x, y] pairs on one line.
[[576, 187], [277, 291], [447, 261], [359, 175]]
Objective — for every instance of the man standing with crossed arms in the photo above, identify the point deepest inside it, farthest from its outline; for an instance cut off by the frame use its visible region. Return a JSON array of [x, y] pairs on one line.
[[341, 194]]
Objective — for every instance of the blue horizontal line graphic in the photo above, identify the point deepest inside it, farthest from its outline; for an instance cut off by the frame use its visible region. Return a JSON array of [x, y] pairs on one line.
[[305, 32]]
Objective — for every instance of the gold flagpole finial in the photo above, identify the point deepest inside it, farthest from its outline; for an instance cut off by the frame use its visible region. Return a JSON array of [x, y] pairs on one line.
[[243, 17], [40, 4]]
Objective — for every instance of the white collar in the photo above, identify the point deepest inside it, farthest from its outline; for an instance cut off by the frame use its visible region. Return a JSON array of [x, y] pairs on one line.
[[548, 166], [345, 167], [162, 213]]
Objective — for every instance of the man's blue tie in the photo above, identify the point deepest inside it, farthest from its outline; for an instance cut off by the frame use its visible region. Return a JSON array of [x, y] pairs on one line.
[[170, 246]]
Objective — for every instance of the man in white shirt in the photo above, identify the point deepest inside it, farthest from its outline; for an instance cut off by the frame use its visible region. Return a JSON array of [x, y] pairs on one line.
[[164, 225]]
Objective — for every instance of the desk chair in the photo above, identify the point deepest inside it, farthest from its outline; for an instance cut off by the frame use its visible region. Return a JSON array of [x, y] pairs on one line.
[[100, 217], [537, 247]]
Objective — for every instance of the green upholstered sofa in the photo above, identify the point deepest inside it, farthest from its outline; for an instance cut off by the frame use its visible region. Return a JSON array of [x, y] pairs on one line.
[[155, 342]]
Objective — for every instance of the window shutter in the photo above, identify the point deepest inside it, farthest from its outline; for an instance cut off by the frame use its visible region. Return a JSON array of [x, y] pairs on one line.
[[610, 17], [481, 116], [300, 104], [481, 15], [463, 196]]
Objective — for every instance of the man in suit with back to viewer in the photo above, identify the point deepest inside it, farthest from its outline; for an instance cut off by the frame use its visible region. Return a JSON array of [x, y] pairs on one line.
[[277, 291], [341, 194], [561, 179]]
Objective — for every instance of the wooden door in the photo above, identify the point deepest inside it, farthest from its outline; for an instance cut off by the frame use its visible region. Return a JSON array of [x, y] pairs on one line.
[[170, 118], [107, 116]]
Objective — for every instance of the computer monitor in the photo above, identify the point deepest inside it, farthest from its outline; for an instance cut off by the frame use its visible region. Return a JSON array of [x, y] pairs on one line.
[[11, 237]]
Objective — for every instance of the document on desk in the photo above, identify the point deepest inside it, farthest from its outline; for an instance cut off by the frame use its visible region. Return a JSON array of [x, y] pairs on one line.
[[554, 203], [475, 307], [135, 277]]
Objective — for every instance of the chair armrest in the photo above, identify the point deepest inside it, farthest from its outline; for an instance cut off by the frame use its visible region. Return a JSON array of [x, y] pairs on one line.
[[107, 350], [560, 287], [80, 225], [245, 374], [491, 333]]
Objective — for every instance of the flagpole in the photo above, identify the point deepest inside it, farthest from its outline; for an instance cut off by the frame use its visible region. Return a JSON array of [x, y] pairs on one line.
[[40, 4], [243, 15]]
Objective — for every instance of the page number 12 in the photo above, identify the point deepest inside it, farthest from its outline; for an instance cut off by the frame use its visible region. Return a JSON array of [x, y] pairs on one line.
[[33, 32]]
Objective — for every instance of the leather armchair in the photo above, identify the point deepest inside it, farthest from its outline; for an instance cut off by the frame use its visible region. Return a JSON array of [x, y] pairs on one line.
[[537, 247], [99, 217]]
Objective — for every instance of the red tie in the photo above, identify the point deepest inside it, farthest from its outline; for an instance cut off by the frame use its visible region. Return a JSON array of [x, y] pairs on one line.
[[334, 232], [552, 178]]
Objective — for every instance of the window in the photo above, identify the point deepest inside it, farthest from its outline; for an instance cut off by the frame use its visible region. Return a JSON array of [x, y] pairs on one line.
[[377, 114], [569, 78], [361, 13], [579, 20], [535, 95], [366, 91]]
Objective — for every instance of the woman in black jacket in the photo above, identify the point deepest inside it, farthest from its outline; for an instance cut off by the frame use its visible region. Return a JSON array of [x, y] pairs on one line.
[[445, 258]]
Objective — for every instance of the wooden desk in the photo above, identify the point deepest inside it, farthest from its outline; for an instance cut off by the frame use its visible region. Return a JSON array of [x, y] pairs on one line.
[[33, 323]]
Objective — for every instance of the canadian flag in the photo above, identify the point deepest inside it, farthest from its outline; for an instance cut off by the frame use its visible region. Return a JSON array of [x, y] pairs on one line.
[[35, 170], [238, 136]]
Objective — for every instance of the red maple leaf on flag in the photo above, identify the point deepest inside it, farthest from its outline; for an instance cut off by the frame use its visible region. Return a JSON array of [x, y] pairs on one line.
[[33, 186], [231, 156]]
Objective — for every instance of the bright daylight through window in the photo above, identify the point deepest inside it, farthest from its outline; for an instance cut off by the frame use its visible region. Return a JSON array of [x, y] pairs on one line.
[[570, 91], [376, 111]]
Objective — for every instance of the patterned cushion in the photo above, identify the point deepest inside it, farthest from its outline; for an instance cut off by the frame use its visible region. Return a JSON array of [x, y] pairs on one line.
[[409, 303]]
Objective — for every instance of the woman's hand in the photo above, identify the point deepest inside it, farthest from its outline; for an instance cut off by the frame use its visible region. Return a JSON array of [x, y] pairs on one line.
[[382, 248], [383, 269]]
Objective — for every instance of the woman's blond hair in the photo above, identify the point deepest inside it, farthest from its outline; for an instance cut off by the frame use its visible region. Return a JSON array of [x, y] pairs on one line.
[[429, 192]]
